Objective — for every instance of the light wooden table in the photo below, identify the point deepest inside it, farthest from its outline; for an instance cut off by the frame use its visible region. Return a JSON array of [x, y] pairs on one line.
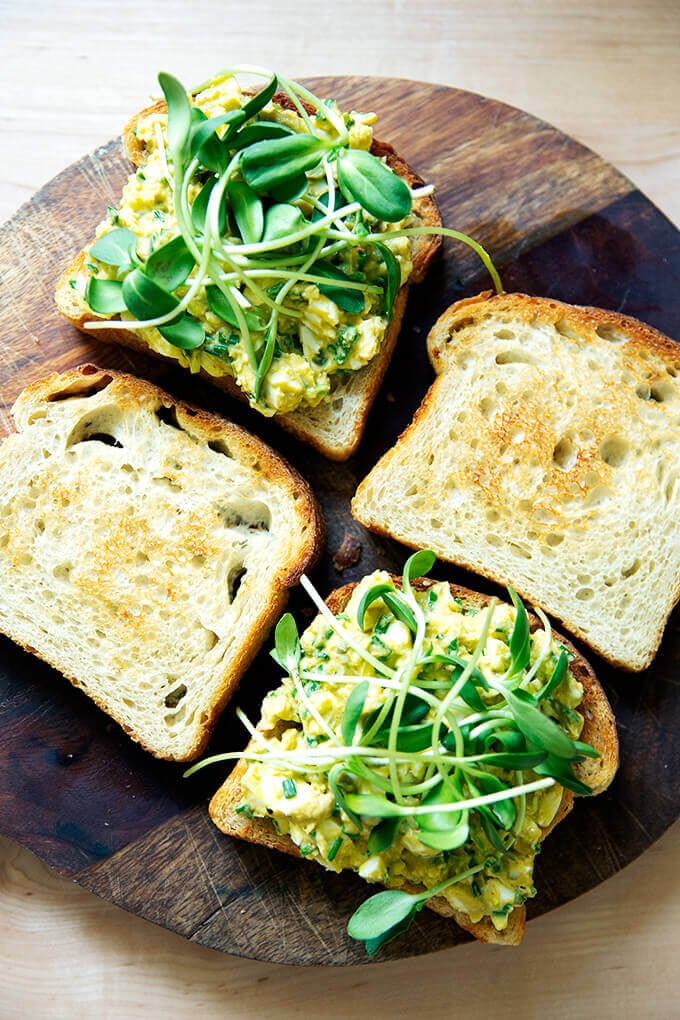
[[607, 73]]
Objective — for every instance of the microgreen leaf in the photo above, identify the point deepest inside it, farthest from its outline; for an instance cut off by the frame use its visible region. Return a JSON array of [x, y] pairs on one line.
[[373, 806], [382, 917], [207, 146], [287, 650], [392, 277], [519, 761], [179, 114], [354, 706], [503, 811], [261, 98], [290, 190], [281, 220], [144, 298], [105, 296], [561, 770], [200, 207], [418, 565], [248, 211], [382, 835], [558, 675], [170, 265], [397, 606], [265, 360], [186, 333], [339, 794], [520, 639], [365, 179], [117, 248], [538, 728], [349, 299], [585, 750], [220, 306], [442, 821], [260, 131], [273, 162]]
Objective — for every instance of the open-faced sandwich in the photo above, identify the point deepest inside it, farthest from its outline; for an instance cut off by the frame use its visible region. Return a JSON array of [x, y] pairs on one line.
[[428, 738], [265, 240]]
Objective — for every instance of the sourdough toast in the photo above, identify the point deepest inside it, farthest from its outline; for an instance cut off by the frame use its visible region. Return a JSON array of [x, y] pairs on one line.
[[547, 455], [146, 547]]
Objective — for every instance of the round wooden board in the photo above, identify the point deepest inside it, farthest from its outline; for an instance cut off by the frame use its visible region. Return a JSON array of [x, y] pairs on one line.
[[559, 221]]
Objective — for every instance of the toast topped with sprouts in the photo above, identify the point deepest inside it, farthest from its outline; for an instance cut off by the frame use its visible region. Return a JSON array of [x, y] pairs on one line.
[[428, 738], [265, 240]]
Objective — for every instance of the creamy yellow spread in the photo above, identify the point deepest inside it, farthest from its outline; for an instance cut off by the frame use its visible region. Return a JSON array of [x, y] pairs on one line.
[[310, 815], [312, 350]]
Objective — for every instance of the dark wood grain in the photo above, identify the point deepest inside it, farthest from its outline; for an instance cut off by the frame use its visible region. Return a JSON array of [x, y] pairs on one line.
[[559, 221]]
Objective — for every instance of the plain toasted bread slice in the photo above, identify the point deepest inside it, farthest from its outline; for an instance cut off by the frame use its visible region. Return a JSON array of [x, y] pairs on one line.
[[547, 455], [334, 427], [599, 731], [145, 549]]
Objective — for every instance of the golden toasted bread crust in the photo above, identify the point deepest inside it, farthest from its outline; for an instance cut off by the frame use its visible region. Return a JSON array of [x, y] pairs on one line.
[[599, 730], [372, 374], [531, 309], [241, 445]]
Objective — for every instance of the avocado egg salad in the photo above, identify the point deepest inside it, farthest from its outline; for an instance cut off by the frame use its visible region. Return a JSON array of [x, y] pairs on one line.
[[259, 239], [421, 740]]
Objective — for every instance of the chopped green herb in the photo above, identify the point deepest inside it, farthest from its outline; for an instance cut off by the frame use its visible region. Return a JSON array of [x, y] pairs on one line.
[[334, 847], [289, 788]]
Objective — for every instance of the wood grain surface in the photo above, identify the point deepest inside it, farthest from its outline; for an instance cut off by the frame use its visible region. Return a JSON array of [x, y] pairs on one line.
[[606, 73], [563, 222]]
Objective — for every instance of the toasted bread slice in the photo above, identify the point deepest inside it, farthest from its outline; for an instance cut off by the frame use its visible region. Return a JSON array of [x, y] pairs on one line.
[[599, 731], [145, 549], [547, 455], [334, 427]]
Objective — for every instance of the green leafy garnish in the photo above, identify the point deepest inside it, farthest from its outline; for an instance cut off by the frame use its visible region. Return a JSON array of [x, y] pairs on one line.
[[248, 204]]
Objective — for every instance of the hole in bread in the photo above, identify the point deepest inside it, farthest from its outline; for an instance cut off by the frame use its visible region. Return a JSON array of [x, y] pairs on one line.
[[80, 390], [167, 483], [598, 495], [436, 524], [515, 357], [62, 571], [643, 391], [608, 331], [103, 425], [173, 699], [632, 569], [583, 594], [235, 580], [566, 330], [220, 446], [669, 491], [554, 539], [337, 403], [487, 406], [494, 540], [141, 558], [662, 391], [565, 453], [245, 513], [501, 389], [197, 561], [492, 515], [168, 416], [521, 550], [4, 540], [505, 334], [614, 450]]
